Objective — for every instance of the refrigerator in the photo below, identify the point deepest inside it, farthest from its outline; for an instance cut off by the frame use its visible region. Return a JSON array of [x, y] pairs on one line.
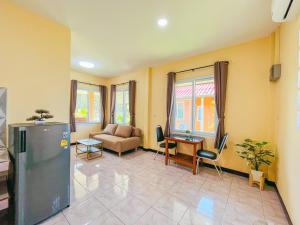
[[40, 178]]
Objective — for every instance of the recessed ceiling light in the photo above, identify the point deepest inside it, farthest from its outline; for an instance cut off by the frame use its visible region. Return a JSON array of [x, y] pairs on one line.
[[162, 22], [86, 64]]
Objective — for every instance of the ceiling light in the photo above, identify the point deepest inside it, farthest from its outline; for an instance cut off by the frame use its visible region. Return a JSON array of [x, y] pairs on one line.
[[162, 22], [87, 65]]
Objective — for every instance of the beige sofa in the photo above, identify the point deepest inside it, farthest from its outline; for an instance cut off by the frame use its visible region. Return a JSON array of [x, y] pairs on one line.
[[119, 138]]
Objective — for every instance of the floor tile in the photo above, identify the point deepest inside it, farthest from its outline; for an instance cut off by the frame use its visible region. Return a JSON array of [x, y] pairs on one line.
[[152, 217], [58, 219], [110, 198], [172, 207], [85, 212], [106, 219], [130, 210], [193, 217]]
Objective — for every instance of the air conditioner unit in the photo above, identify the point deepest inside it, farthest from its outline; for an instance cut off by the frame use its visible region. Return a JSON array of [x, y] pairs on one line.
[[285, 10]]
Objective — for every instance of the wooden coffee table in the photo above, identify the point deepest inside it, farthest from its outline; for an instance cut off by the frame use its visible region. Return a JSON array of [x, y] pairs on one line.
[[91, 147]]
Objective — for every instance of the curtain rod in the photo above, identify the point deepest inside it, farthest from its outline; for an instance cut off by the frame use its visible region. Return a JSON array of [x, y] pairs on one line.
[[197, 68], [88, 83], [121, 83]]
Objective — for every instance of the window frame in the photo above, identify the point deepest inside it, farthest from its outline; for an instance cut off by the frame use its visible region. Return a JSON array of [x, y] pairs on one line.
[[88, 107], [194, 110]]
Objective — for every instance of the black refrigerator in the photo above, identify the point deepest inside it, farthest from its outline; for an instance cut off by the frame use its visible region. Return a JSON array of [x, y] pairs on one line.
[[40, 178]]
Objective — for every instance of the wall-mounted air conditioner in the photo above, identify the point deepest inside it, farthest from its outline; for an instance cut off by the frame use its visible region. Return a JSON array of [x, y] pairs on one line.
[[285, 10]]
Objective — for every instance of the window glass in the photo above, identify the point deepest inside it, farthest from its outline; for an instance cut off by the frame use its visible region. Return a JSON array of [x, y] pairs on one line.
[[195, 108], [88, 104], [122, 115], [81, 113], [183, 112], [205, 103]]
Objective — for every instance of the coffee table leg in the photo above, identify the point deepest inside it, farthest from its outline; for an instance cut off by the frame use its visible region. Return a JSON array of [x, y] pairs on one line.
[[76, 149], [88, 152]]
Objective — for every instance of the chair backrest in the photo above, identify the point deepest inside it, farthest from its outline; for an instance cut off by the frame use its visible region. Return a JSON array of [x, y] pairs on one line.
[[223, 143], [159, 134]]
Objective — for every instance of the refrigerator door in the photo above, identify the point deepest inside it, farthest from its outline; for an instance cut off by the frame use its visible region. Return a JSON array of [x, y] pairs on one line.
[[43, 173]]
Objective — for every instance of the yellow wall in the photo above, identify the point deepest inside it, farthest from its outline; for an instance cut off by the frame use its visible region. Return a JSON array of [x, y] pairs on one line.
[[34, 63], [84, 129], [142, 97], [248, 113], [287, 135]]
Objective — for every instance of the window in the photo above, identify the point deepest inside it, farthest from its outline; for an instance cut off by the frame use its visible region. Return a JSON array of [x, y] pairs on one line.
[[195, 108], [122, 115], [87, 104]]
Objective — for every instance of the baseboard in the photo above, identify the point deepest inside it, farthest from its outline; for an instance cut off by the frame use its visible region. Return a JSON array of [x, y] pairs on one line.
[[242, 174], [284, 208]]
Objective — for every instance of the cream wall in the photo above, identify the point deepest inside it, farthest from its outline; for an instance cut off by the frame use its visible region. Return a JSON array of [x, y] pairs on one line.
[[287, 134], [142, 78], [84, 129], [248, 108], [34, 63]]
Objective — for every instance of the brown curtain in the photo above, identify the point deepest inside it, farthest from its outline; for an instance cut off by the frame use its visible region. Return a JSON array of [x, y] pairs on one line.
[[220, 77], [170, 101], [112, 103], [132, 93], [103, 93], [73, 98]]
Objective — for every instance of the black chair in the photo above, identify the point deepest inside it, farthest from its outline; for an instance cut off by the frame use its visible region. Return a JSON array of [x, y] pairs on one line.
[[213, 156], [161, 144]]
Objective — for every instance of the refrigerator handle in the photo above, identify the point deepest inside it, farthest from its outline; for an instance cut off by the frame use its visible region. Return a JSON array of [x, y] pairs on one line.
[[23, 141]]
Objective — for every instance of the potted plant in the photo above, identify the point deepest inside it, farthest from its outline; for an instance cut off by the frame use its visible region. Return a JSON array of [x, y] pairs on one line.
[[41, 118], [257, 154]]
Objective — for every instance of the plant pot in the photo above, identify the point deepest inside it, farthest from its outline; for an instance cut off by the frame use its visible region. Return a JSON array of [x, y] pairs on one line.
[[257, 177], [40, 121]]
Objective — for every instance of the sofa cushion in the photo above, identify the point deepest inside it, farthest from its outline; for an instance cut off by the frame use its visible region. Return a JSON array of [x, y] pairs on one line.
[[116, 143], [110, 129], [123, 131], [110, 141], [136, 132]]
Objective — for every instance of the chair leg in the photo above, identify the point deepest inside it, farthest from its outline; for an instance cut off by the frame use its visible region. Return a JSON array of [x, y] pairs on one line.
[[220, 168], [197, 166], [217, 169], [156, 155]]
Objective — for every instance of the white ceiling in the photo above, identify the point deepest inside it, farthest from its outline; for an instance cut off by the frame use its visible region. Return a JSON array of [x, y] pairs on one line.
[[120, 36]]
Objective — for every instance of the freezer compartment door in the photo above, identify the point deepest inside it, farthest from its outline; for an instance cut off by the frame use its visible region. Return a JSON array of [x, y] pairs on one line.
[[43, 173]]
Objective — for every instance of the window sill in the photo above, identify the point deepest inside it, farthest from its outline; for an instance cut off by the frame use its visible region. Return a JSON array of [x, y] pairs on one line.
[[87, 123], [213, 135]]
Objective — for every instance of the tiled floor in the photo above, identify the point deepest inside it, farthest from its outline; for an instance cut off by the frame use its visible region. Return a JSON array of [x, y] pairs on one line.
[[135, 189]]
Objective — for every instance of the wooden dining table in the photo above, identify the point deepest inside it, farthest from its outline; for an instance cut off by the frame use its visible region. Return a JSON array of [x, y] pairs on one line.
[[181, 158]]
